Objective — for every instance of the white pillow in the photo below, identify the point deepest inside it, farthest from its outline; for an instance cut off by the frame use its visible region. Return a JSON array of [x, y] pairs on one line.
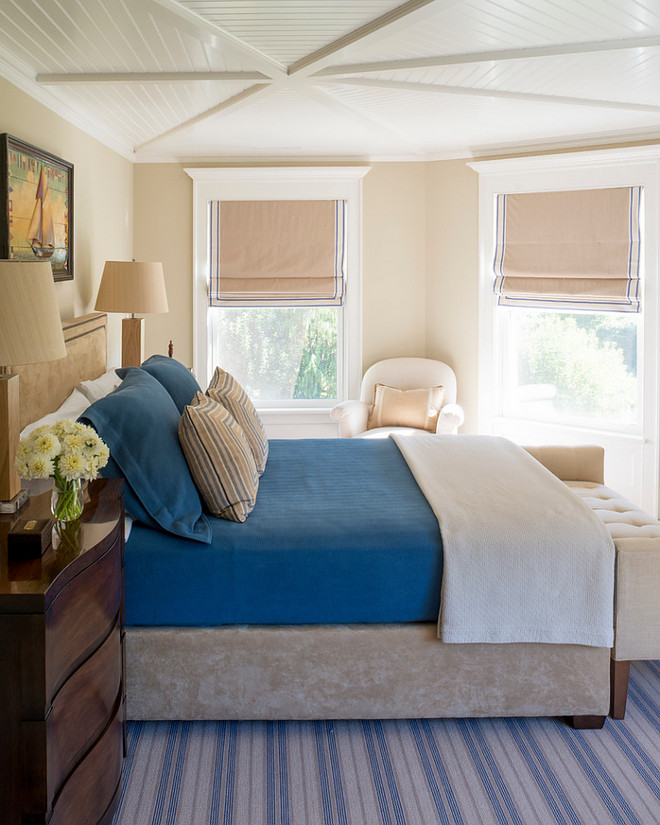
[[99, 387], [74, 406]]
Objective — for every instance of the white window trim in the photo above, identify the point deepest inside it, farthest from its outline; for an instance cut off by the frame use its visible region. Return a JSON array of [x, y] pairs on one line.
[[578, 170], [281, 183]]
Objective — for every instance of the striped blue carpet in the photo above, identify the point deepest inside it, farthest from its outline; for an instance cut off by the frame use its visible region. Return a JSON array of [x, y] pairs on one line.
[[413, 772]]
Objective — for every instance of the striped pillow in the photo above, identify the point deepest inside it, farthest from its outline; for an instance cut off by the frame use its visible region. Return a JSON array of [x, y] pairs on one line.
[[219, 458], [226, 390]]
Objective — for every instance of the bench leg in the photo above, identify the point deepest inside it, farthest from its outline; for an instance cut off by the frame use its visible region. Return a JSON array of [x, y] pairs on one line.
[[587, 722], [619, 675]]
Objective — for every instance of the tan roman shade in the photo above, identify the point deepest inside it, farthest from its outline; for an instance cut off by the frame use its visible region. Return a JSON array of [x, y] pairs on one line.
[[277, 253], [570, 250]]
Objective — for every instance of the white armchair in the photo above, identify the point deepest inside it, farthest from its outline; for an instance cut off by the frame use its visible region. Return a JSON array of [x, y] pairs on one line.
[[403, 374]]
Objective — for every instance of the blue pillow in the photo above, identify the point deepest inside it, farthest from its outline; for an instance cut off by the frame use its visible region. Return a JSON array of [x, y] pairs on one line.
[[174, 376], [139, 423]]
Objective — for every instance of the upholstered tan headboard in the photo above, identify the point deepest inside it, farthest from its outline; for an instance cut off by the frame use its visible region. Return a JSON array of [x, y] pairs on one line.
[[43, 387]]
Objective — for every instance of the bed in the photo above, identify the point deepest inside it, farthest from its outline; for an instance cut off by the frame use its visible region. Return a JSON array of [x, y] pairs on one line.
[[271, 643]]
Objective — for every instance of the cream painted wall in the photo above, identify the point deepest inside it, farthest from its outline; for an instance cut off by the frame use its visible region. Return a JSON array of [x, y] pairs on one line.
[[162, 231], [394, 281], [452, 305], [103, 199]]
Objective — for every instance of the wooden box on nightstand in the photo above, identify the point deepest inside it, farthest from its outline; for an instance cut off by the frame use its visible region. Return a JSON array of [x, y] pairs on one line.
[[61, 667]]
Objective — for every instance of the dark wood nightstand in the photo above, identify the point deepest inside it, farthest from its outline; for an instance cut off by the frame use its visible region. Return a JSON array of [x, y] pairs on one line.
[[61, 668]]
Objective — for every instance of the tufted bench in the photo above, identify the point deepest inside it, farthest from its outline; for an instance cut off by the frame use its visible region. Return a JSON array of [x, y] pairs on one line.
[[637, 573]]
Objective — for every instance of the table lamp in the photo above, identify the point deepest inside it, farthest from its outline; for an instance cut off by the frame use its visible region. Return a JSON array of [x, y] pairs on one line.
[[135, 287], [30, 332]]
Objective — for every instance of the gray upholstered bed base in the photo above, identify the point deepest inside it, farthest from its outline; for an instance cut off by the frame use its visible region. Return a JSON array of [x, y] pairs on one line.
[[354, 672], [365, 671]]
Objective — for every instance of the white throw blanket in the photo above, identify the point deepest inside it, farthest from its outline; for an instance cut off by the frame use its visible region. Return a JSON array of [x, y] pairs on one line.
[[525, 559]]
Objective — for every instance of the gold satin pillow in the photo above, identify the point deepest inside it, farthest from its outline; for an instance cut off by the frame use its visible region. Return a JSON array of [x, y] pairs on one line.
[[406, 408]]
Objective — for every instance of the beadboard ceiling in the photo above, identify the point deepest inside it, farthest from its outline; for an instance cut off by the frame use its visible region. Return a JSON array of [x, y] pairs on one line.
[[251, 80]]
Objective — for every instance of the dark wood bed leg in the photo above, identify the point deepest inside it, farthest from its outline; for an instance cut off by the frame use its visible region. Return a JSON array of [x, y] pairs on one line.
[[588, 722], [619, 675]]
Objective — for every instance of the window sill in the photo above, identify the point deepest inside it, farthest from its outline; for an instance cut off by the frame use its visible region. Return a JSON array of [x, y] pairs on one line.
[[567, 427], [298, 422]]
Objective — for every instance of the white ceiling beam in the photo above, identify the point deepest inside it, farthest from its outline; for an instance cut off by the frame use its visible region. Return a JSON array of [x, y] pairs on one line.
[[22, 78], [261, 61], [492, 56], [146, 77], [436, 88], [231, 103], [398, 18]]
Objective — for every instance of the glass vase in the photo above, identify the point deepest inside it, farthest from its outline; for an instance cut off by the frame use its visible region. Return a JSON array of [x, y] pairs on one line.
[[66, 501]]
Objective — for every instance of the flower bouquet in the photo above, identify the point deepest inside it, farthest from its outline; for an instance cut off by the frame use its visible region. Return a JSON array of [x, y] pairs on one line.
[[68, 452]]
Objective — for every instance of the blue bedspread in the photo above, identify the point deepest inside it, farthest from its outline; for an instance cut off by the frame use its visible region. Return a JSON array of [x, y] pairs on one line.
[[340, 533]]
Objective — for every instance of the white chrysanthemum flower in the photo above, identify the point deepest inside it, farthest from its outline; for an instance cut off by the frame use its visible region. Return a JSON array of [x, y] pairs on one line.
[[21, 460], [77, 430], [39, 466], [60, 427], [38, 431], [28, 441], [47, 444], [71, 466], [103, 455], [72, 442], [95, 464], [91, 446], [65, 426]]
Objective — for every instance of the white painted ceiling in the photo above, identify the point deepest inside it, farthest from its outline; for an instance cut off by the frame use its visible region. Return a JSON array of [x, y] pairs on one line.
[[249, 80]]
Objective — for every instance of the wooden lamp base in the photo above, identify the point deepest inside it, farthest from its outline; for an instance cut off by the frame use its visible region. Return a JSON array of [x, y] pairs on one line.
[[11, 495], [132, 336]]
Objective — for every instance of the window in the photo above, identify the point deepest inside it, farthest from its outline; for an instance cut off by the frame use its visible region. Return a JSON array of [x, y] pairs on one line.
[[277, 284], [559, 256], [576, 368], [566, 361], [295, 356], [281, 355]]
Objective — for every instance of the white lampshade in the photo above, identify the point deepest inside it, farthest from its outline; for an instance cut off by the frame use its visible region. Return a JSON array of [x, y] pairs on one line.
[[30, 325], [132, 286]]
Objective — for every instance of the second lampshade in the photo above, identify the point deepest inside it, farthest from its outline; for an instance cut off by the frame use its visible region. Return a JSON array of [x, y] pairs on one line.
[[137, 287]]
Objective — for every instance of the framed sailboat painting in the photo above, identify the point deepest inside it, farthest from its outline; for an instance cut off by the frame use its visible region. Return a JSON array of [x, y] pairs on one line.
[[36, 213]]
